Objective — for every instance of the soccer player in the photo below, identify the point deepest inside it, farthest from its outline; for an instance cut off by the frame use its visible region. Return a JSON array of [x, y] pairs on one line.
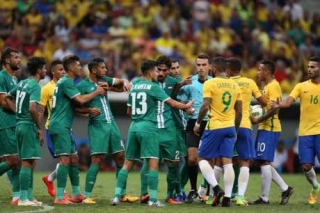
[[309, 126], [104, 134], [222, 99], [268, 134], [244, 145], [194, 92], [10, 60], [143, 141], [64, 97], [28, 129], [46, 99]]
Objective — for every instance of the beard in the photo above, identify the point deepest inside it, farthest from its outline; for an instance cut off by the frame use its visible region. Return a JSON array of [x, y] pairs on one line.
[[14, 67]]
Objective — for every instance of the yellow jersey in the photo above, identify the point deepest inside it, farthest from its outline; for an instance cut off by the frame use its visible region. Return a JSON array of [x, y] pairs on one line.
[[248, 88], [309, 94], [46, 99], [271, 92], [223, 92]]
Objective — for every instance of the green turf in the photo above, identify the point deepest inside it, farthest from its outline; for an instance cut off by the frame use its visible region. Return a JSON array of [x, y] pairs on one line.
[[104, 189]]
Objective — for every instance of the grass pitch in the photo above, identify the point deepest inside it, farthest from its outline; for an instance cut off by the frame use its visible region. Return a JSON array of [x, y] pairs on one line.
[[104, 189]]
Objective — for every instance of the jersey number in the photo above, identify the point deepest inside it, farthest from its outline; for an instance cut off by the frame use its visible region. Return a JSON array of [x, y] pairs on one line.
[[19, 101], [139, 103], [54, 98], [226, 100], [314, 99]]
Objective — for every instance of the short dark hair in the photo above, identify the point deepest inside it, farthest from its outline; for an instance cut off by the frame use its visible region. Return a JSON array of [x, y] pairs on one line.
[[315, 59], [164, 60], [69, 60], [269, 65], [35, 63], [147, 65], [6, 53], [94, 63], [204, 56], [234, 64], [219, 63], [174, 60], [55, 63]]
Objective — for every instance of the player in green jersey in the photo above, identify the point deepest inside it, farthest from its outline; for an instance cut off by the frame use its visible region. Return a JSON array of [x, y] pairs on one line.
[[65, 96], [143, 139], [104, 134], [28, 130], [9, 148]]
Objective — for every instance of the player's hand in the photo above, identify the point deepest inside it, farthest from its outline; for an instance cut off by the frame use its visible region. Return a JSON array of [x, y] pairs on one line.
[[40, 136], [275, 104], [94, 111], [190, 111], [196, 129], [187, 80], [104, 85], [254, 120], [127, 85], [101, 90], [190, 103]]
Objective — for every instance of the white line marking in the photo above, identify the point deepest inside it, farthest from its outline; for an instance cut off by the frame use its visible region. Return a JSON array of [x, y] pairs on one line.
[[46, 208]]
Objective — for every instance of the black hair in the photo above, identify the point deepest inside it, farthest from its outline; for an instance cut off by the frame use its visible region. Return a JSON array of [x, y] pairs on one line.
[[69, 60], [148, 65], [270, 66], [164, 60], [6, 53], [234, 64], [94, 63], [204, 56], [35, 63], [219, 63]]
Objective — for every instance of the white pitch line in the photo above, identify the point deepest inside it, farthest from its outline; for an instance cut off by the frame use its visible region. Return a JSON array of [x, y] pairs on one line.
[[46, 208]]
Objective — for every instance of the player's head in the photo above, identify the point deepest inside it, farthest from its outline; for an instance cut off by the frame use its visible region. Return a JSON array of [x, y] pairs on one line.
[[57, 69], [10, 59], [266, 69], [314, 67], [37, 65], [233, 66], [163, 65], [71, 64], [219, 65], [149, 70], [97, 67], [203, 65], [174, 70]]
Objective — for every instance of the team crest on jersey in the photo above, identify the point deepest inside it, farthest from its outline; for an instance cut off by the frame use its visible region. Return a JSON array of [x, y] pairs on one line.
[[170, 86]]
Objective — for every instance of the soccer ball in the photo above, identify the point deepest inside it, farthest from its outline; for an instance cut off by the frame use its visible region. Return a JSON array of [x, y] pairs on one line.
[[257, 111]]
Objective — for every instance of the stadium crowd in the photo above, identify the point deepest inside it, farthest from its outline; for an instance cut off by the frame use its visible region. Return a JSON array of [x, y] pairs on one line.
[[127, 32]]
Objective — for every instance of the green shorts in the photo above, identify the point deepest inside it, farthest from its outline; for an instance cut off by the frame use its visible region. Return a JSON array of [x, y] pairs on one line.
[[8, 142], [142, 145], [28, 141], [104, 138], [169, 146], [235, 153], [63, 144], [181, 139]]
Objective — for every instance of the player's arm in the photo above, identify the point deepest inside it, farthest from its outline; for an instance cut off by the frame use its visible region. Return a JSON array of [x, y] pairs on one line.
[[179, 105], [238, 110], [86, 111], [129, 111], [82, 99], [182, 83], [202, 113], [9, 102], [283, 104], [262, 101]]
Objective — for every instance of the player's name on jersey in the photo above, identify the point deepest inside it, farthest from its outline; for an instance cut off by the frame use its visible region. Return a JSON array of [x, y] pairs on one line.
[[142, 86]]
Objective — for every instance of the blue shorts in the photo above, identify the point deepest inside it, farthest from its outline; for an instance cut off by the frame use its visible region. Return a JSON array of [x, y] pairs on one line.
[[50, 144], [245, 145], [217, 143], [265, 145], [309, 147]]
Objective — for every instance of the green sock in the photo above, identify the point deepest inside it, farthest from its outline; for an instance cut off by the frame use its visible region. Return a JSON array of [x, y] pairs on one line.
[[183, 176], [4, 167], [144, 178], [24, 177], [74, 175], [153, 180], [236, 169], [15, 182], [121, 181], [91, 179], [124, 189], [172, 179], [62, 175], [30, 189]]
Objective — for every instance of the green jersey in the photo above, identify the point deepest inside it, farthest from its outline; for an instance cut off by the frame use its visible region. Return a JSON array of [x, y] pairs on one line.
[[26, 92], [7, 83], [143, 100], [165, 119], [101, 101], [62, 106]]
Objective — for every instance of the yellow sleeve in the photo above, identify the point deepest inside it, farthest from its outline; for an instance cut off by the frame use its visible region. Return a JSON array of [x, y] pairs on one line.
[[44, 98], [207, 89], [295, 93], [256, 93]]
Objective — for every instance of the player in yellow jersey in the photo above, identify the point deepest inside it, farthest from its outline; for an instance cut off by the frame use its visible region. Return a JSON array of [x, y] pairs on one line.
[[245, 145], [309, 126], [268, 135], [57, 72], [222, 99]]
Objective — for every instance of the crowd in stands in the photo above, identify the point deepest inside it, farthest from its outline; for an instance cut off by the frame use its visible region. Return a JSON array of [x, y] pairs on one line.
[[126, 32]]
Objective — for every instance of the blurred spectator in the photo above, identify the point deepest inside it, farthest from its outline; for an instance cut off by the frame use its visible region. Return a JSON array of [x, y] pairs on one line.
[[280, 157], [62, 51], [295, 10], [62, 29]]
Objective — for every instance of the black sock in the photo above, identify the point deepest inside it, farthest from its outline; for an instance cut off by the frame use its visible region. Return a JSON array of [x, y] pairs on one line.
[[193, 176]]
